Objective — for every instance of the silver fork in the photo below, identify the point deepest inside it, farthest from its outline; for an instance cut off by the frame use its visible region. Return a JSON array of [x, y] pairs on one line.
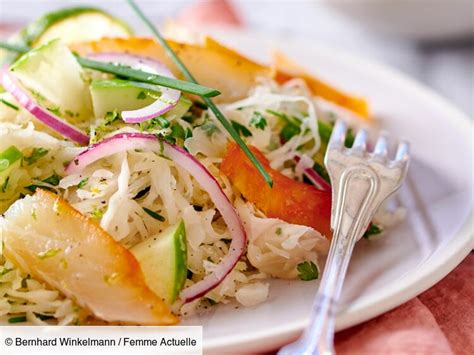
[[361, 181]]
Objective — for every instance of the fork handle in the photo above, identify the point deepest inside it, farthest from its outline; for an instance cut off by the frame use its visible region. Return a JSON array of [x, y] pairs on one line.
[[319, 337], [348, 228]]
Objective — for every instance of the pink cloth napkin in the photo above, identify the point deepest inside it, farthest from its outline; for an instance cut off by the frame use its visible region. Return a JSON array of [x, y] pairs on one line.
[[439, 321]]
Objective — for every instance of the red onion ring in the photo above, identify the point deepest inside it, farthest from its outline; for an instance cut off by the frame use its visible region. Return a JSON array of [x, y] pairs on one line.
[[11, 84], [148, 142], [312, 175], [169, 97]]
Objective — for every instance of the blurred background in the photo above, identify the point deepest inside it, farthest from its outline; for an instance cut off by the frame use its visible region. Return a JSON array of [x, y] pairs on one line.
[[430, 40]]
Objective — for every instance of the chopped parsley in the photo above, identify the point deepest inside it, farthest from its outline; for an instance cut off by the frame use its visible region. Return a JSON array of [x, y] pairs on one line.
[[372, 230], [288, 131], [36, 154], [110, 123], [291, 125], [53, 180], [83, 183], [177, 131], [5, 271], [55, 110], [258, 121], [71, 114], [110, 117], [325, 131], [19, 319], [154, 214], [307, 271], [241, 129]]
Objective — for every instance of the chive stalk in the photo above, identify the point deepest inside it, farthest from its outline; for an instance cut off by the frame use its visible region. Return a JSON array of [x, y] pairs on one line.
[[130, 73]]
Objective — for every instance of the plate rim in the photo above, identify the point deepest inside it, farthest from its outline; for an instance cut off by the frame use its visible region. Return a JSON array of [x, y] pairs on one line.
[[429, 273]]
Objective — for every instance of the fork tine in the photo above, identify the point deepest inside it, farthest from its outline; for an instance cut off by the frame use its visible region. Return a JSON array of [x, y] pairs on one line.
[[381, 147], [360, 141], [403, 151], [338, 135]]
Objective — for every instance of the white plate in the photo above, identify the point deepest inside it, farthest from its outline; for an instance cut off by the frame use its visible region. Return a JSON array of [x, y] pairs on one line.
[[435, 237]]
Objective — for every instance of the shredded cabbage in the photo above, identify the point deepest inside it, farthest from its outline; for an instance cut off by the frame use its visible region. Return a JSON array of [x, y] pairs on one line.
[[115, 190]]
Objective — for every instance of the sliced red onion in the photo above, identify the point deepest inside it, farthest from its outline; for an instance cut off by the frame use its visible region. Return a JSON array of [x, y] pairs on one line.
[[169, 97], [11, 84], [148, 142], [306, 164]]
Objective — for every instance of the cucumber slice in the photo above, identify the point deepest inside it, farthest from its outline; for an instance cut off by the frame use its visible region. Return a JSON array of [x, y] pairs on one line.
[[71, 25], [163, 260], [7, 158], [122, 95], [119, 95], [55, 78], [75, 24], [10, 159]]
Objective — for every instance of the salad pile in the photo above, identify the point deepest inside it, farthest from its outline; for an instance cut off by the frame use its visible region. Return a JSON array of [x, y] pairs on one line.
[[129, 196]]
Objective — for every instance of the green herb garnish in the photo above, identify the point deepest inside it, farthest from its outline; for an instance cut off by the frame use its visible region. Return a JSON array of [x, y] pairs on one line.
[[19, 319], [83, 183], [154, 215], [307, 271], [5, 271], [54, 109], [258, 121], [372, 230], [36, 154], [53, 180], [291, 125], [241, 129], [9, 104], [178, 132]]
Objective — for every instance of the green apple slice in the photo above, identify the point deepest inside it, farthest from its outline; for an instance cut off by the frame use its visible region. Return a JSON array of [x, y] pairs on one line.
[[163, 260], [75, 24], [123, 95], [56, 80], [71, 25]]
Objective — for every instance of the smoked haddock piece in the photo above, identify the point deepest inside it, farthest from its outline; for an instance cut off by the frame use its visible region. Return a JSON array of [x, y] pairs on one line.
[[47, 238]]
